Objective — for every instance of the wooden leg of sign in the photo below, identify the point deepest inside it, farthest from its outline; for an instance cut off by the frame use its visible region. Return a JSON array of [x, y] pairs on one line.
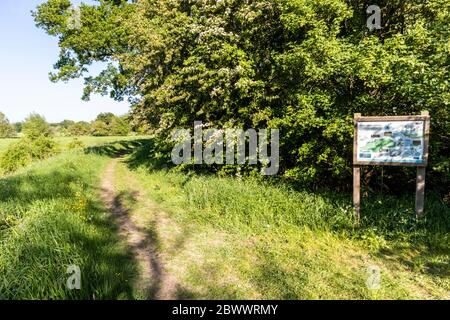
[[357, 192], [420, 191]]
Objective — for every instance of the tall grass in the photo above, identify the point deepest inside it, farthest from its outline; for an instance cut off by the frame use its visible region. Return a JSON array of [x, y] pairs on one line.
[[257, 238], [255, 203], [51, 218]]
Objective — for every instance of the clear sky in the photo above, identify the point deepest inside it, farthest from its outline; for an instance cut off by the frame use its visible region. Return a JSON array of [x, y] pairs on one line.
[[27, 55]]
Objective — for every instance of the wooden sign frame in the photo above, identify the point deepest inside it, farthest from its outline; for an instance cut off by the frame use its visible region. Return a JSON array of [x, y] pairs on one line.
[[421, 166]]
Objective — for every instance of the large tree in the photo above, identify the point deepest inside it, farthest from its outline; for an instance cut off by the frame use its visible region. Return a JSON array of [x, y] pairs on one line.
[[304, 66]]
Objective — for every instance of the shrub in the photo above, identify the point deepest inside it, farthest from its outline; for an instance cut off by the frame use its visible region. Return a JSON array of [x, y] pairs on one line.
[[23, 152], [36, 126], [99, 129], [42, 147], [75, 144], [6, 129], [81, 128], [17, 155]]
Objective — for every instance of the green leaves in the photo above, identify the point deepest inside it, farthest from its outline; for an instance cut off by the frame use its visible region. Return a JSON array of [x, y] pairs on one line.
[[304, 66], [6, 129]]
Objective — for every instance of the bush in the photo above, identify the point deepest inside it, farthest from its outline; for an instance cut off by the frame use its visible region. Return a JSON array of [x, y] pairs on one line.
[[23, 152], [36, 126], [17, 155], [99, 129], [107, 124], [42, 147], [6, 129], [81, 128], [75, 144]]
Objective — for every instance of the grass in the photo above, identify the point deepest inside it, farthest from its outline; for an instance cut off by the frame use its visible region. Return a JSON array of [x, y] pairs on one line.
[[219, 237], [51, 218], [245, 238], [63, 142]]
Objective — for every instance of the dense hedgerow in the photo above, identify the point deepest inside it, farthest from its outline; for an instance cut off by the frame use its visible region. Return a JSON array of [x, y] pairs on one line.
[[304, 67]]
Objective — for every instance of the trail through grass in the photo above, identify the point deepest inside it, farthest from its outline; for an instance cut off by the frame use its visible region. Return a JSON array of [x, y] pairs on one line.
[[247, 239], [153, 282], [51, 218], [202, 236]]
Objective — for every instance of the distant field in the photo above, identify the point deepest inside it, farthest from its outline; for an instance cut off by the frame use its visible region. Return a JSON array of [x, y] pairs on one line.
[[63, 142]]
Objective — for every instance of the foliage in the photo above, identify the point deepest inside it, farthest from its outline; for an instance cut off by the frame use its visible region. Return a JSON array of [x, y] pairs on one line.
[[110, 125], [66, 123], [42, 147], [17, 155], [99, 128], [302, 66], [119, 126], [37, 144], [18, 127], [23, 152], [75, 144], [6, 129], [106, 117], [80, 128], [35, 126]]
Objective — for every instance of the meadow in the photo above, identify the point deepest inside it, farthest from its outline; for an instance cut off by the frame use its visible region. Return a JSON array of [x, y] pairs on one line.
[[63, 142], [51, 218], [214, 237]]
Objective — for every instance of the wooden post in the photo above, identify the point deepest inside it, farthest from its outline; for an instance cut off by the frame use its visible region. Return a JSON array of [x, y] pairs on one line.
[[356, 174], [421, 170], [357, 192], [420, 191]]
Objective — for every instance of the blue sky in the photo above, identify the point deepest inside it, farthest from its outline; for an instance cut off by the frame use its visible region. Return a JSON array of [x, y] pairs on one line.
[[27, 55]]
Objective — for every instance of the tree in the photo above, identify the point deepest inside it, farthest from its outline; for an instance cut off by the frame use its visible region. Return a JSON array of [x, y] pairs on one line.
[[65, 124], [106, 117], [6, 129], [99, 129], [110, 124], [36, 144], [81, 128], [18, 127], [36, 126], [119, 126], [301, 66]]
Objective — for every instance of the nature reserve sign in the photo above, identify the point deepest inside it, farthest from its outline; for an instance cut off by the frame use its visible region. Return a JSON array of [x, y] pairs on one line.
[[391, 141]]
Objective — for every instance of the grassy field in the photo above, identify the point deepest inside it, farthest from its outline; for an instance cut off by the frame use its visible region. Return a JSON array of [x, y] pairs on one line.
[[63, 142], [51, 218], [217, 238], [248, 239]]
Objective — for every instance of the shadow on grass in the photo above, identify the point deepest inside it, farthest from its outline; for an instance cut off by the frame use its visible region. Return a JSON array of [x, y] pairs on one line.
[[116, 149], [390, 218], [433, 263], [146, 245], [58, 236]]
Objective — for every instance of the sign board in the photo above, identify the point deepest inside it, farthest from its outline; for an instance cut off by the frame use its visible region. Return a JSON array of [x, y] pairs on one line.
[[398, 141], [391, 141]]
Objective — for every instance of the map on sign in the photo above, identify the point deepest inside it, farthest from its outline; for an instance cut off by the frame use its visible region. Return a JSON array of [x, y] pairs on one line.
[[390, 141]]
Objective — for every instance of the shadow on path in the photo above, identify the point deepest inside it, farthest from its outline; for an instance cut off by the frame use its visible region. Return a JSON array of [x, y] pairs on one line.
[[152, 280]]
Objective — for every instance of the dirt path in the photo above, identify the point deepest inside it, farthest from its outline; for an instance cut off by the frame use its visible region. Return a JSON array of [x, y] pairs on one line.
[[152, 280]]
